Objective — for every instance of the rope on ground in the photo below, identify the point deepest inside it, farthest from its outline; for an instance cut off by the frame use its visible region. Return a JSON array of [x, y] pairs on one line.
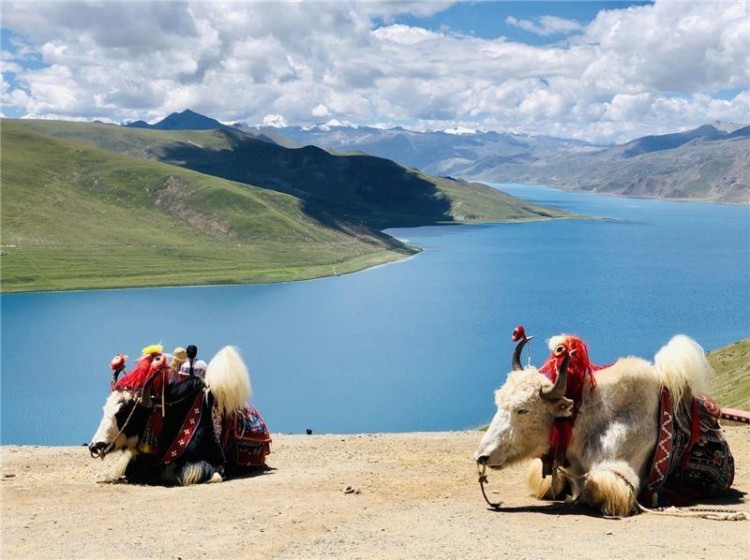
[[715, 514]]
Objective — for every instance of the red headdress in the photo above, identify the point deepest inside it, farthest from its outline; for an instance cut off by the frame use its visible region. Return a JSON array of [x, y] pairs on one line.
[[580, 367], [152, 366]]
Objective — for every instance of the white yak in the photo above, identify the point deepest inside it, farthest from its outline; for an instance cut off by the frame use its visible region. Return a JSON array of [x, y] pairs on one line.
[[616, 423]]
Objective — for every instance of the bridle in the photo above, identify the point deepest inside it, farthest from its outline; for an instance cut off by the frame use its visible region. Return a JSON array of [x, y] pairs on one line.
[[104, 451], [482, 482], [138, 400]]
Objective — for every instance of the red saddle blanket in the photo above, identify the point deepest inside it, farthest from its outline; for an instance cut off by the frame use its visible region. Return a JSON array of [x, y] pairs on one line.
[[691, 461], [244, 437]]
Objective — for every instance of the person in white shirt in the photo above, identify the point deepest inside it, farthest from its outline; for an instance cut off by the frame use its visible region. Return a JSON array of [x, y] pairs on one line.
[[193, 365]]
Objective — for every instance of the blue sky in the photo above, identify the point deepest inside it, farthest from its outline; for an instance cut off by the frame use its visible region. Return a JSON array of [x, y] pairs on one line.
[[488, 20], [600, 71]]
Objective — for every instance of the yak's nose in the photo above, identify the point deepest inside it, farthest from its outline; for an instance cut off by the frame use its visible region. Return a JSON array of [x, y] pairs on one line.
[[482, 459], [96, 448]]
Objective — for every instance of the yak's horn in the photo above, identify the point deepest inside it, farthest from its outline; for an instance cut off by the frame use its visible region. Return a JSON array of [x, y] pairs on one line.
[[517, 353], [561, 383]]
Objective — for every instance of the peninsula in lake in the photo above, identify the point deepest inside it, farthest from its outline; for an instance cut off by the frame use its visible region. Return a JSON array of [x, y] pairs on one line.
[[191, 201]]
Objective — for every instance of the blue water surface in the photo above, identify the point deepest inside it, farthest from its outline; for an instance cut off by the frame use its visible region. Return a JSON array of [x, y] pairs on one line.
[[416, 345]]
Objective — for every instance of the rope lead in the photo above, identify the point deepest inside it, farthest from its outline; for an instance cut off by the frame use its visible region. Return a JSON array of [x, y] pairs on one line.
[[482, 482]]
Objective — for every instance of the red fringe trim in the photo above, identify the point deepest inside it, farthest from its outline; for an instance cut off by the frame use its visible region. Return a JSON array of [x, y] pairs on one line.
[[142, 373], [580, 368]]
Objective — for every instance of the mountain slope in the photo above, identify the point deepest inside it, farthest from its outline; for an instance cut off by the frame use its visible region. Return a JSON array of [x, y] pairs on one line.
[[94, 205], [702, 164], [373, 190], [434, 152], [76, 217], [707, 163], [365, 189]]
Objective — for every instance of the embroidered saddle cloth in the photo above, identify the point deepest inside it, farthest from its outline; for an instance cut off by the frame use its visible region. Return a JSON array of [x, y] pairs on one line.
[[245, 438], [692, 459]]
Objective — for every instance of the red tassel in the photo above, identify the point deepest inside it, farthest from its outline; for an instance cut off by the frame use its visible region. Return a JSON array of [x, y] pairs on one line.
[[579, 369], [145, 369]]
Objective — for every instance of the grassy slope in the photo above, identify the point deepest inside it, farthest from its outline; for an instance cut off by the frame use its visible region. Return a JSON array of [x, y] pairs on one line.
[[89, 205], [364, 188], [78, 217], [731, 385]]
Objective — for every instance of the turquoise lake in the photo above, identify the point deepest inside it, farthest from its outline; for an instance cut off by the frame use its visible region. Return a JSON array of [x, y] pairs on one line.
[[419, 345]]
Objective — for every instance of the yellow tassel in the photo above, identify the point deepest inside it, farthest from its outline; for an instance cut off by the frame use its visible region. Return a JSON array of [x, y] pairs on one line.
[[153, 349]]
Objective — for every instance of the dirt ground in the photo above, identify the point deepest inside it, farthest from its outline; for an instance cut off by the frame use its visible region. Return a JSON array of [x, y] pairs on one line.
[[355, 496]]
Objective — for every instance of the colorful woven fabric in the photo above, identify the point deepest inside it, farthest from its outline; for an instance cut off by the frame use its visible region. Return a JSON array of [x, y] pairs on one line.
[[246, 438], [692, 459]]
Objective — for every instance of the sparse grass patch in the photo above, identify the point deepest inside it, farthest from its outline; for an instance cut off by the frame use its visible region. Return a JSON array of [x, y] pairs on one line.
[[731, 364]]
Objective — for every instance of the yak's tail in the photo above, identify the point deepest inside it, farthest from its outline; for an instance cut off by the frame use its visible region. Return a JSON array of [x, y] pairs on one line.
[[683, 367], [228, 380]]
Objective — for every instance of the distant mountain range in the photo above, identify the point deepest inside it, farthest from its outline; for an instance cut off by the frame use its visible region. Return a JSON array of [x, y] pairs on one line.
[[437, 152], [708, 163], [711, 162]]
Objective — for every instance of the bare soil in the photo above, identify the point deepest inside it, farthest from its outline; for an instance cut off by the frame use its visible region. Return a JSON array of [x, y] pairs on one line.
[[355, 496]]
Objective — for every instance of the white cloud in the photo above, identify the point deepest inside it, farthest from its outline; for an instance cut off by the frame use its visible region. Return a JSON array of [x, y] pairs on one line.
[[320, 111], [628, 72], [546, 25], [405, 35], [274, 120]]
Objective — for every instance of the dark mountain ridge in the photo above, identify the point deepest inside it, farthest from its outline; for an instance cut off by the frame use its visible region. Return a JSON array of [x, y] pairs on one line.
[[186, 120]]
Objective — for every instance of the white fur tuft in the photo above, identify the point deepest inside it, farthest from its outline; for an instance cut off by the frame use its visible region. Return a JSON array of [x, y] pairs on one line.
[[122, 464], [540, 487], [195, 473], [555, 341], [228, 380], [612, 490], [683, 367]]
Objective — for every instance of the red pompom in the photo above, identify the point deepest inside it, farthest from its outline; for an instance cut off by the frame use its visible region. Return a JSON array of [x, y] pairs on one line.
[[519, 333], [118, 362]]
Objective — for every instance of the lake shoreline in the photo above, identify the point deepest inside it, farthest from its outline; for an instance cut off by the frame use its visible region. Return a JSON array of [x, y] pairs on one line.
[[391, 259]]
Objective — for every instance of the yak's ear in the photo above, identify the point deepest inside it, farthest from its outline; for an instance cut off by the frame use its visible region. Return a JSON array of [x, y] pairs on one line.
[[560, 408]]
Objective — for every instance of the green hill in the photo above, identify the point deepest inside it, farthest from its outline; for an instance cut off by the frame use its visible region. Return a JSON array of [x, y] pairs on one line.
[[89, 205], [731, 364], [78, 217], [367, 189]]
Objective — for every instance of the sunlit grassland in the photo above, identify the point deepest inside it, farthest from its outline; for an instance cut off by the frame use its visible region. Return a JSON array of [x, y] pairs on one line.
[[76, 217]]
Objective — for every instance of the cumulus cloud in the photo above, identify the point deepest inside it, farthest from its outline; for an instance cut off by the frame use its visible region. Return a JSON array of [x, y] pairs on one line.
[[274, 120], [646, 69]]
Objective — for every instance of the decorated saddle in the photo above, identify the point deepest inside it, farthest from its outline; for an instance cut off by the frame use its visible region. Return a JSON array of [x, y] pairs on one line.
[[692, 458], [243, 435]]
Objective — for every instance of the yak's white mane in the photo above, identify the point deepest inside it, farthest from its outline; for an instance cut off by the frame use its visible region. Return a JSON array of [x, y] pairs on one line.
[[683, 367], [228, 379]]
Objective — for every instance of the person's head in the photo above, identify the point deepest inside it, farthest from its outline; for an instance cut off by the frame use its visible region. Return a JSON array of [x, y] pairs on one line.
[[179, 357]]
